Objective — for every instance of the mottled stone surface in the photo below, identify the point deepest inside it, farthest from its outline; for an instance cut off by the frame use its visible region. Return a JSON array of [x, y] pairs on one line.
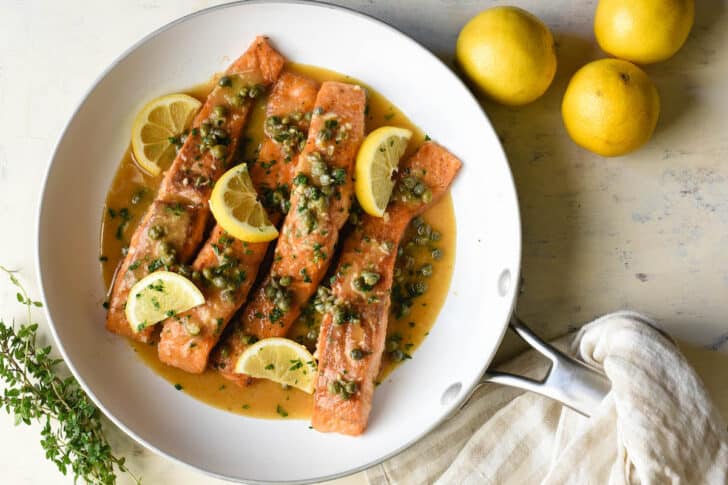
[[646, 231]]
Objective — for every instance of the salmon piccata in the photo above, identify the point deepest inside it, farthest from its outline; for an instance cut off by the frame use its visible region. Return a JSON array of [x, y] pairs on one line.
[[320, 203], [354, 325], [173, 227], [226, 267]]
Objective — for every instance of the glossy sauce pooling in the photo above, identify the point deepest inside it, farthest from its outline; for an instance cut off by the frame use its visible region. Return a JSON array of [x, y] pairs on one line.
[[132, 191]]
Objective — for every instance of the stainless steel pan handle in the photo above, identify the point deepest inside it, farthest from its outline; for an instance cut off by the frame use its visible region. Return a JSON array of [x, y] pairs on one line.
[[568, 381]]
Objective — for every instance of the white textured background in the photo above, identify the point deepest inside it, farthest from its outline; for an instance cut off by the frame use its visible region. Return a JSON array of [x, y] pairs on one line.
[[648, 231]]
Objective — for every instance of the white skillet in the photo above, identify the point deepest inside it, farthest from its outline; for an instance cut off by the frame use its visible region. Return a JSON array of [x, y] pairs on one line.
[[421, 393]]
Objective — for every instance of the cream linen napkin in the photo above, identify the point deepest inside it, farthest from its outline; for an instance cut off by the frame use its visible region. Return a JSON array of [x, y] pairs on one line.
[[656, 426]]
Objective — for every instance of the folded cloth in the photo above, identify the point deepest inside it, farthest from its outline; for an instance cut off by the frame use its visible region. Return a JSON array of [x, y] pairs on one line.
[[657, 425]]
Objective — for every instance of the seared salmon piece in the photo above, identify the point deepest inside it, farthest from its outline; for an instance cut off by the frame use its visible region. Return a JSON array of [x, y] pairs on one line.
[[226, 267], [354, 327], [148, 252], [196, 168], [320, 203], [201, 160]]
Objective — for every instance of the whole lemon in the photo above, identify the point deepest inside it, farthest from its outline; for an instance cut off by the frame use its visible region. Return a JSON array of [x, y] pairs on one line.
[[610, 107], [643, 31], [508, 53]]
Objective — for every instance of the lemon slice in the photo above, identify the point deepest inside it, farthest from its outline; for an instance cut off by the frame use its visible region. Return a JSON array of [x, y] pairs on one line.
[[280, 360], [161, 120], [234, 203], [158, 296], [376, 161]]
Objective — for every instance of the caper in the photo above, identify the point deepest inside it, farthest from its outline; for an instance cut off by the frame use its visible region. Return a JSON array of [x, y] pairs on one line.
[[334, 387], [228, 294], [391, 345], [225, 82], [254, 91], [165, 248], [284, 281], [312, 334], [397, 355], [207, 273], [318, 167], [419, 189], [219, 111], [427, 196], [243, 92], [283, 304], [424, 230], [418, 288], [359, 285], [219, 151], [228, 251], [196, 275], [184, 270], [418, 221], [325, 180], [315, 157], [219, 134], [219, 282], [370, 278], [351, 388], [436, 254], [426, 270], [325, 134], [155, 232], [237, 100], [356, 354], [204, 129], [192, 328], [435, 236], [409, 182], [339, 315]]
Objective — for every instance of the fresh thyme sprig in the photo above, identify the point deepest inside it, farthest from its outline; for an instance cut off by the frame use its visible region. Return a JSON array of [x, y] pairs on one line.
[[72, 434]]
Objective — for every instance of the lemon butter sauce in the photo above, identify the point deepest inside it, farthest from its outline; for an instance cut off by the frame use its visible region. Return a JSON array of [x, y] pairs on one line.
[[426, 267]]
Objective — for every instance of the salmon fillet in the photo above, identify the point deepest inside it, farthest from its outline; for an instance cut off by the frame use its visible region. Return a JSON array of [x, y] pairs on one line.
[[187, 339], [354, 327], [320, 203], [204, 156]]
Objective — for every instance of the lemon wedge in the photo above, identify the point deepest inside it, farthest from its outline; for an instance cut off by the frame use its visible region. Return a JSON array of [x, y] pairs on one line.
[[157, 125], [280, 360], [234, 203], [158, 296], [376, 161]]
